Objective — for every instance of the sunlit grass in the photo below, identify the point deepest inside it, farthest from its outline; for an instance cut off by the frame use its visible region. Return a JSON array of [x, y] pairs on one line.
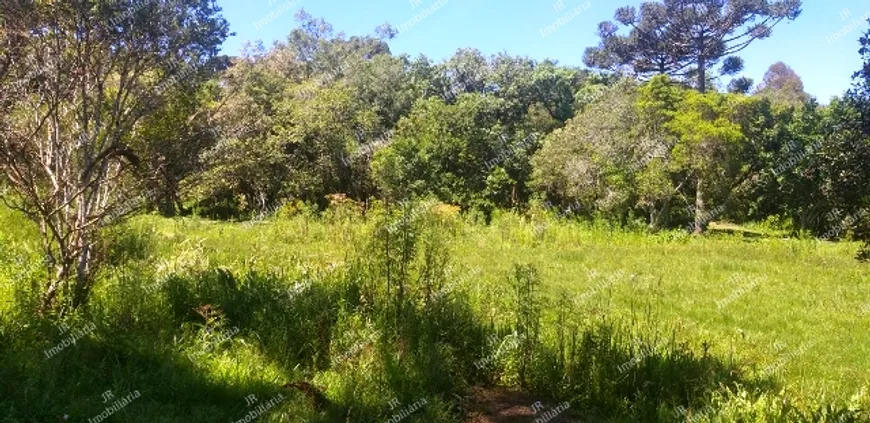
[[786, 309], [754, 300]]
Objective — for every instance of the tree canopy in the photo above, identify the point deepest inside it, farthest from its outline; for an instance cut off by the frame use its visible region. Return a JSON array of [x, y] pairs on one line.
[[782, 85], [686, 38]]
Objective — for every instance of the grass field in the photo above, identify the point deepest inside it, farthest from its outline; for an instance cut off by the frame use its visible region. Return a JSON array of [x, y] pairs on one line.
[[759, 316], [750, 299]]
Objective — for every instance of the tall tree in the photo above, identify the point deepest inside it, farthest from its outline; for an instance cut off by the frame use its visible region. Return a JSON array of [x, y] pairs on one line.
[[782, 85], [864, 74], [171, 141], [709, 142], [593, 160], [467, 71], [301, 120], [687, 38], [65, 144], [462, 153], [862, 88]]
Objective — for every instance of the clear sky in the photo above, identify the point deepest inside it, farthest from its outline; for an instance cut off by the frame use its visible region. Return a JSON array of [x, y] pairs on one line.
[[826, 64]]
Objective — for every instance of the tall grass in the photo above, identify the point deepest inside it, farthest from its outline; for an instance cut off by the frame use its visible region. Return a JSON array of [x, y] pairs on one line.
[[348, 317]]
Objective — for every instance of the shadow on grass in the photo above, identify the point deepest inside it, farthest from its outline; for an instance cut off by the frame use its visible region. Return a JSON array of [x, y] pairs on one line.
[[161, 385], [145, 337], [429, 351], [600, 369], [311, 328], [605, 374]]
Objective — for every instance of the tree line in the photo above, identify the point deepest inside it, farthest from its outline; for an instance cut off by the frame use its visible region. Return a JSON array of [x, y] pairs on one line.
[[104, 101]]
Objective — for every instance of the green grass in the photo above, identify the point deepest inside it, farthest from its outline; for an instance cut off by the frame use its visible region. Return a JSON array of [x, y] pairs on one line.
[[807, 290], [802, 291], [701, 317]]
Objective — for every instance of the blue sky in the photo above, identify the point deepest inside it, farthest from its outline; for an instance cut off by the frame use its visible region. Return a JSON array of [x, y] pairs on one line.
[[825, 64]]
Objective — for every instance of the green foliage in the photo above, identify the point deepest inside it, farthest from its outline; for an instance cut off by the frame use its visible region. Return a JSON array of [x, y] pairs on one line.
[[582, 161], [708, 143], [304, 120], [657, 149], [527, 311], [171, 140], [863, 75], [643, 148], [461, 153], [80, 92]]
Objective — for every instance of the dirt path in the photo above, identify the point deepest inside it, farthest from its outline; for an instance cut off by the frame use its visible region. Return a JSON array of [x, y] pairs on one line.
[[498, 405]]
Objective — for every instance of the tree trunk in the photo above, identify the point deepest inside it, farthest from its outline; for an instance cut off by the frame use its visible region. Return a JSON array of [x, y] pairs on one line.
[[167, 202], [83, 270], [702, 63], [51, 290], [700, 212], [657, 216]]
